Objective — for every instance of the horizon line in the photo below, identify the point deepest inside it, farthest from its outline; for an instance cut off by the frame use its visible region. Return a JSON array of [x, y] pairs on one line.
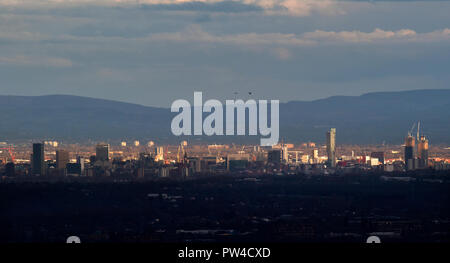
[[286, 102]]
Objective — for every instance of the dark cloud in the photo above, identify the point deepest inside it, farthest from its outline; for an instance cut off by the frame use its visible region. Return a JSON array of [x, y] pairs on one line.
[[152, 56], [225, 7]]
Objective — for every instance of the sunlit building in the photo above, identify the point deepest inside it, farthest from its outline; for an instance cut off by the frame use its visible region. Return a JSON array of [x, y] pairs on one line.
[[331, 147], [159, 153], [422, 152]]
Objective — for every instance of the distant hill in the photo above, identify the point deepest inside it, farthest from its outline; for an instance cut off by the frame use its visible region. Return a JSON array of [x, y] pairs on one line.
[[368, 119]]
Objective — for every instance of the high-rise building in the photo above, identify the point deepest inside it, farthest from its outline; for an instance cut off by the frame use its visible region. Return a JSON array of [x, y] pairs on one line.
[[38, 164], [315, 156], [180, 154], [422, 152], [159, 153], [331, 147], [81, 161], [274, 156], [409, 152], [62, 159], [285, 154], [102, 152]]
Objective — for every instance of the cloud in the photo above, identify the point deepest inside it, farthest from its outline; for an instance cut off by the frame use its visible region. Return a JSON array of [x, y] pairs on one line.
[[378, 35], [289, 7], [271, 7], [196, 34], [33, 61], [197, 6], [127, 52], [299, 7]]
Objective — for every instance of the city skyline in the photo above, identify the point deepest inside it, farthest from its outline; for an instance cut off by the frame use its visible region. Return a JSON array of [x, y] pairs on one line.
[[225, 130], [387, 158]]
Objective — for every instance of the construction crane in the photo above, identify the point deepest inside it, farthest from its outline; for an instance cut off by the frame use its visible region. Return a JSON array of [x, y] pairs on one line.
[[411, 130], [10, 150]]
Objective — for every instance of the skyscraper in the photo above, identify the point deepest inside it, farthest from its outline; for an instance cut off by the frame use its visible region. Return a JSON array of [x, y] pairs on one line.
[[102, 152], [81, 161], [285, 154], [315, 156], [331, 147], [38, 165], [409, 152], [422, 152], [159, 153], [62, 159]]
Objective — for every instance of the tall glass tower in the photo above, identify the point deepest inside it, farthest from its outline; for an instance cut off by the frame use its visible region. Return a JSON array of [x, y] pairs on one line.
[[331, 147], [38, 165], [409, 152]]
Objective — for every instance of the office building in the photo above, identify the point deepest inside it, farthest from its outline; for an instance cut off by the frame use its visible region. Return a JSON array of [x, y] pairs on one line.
[[422, 152], [62, 159], [102, 152], [159, 153], [81, 161], [274, 156], [285, 154], [237, 162], [409, 152], [315, 156], [378, 155], [331, 147], [38, 160]]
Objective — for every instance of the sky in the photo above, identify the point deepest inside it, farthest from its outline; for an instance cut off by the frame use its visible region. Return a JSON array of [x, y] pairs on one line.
[[153, 52]]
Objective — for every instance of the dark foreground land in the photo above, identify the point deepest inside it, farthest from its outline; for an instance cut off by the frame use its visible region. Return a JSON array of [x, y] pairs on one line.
[[233, 208]]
